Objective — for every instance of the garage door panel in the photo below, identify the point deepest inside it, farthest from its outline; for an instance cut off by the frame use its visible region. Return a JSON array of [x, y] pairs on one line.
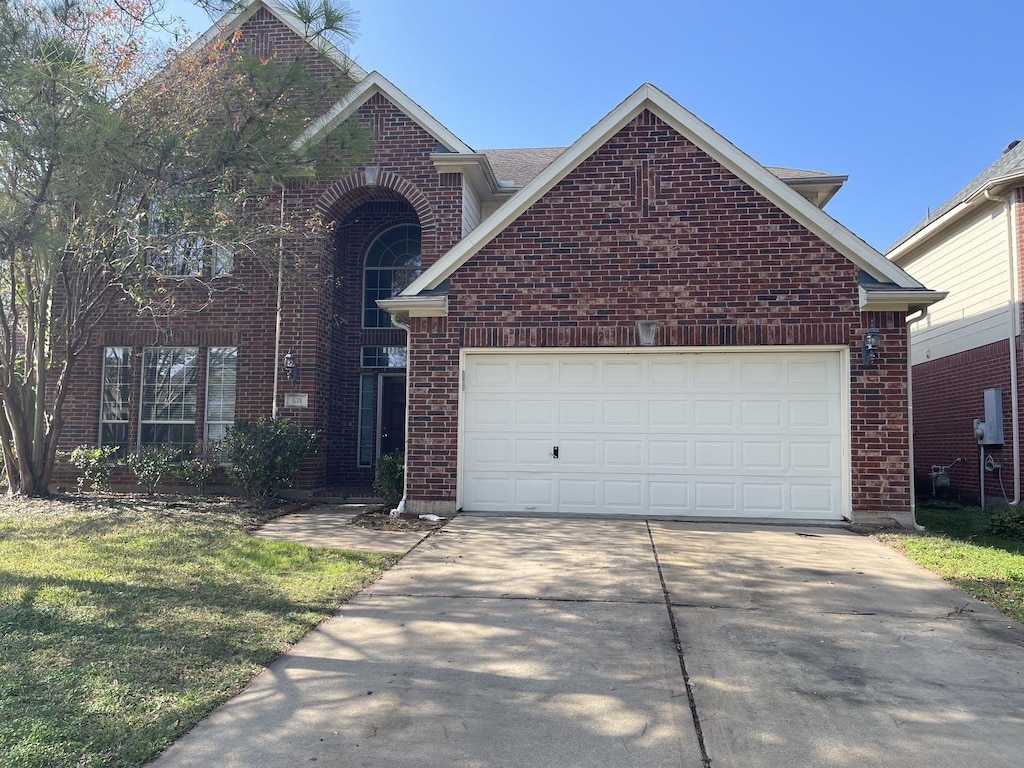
[[765, 498], [756, 414], [669, 495], [533, 453], [763, 456], [670, 374], [813, 457], [620, 454], [668, 454], [578, 373], [579, 413], [812, 414], [579, 455], [621, 373], [716, 414], [535, 492], [667, 414], [714, 455], [813, 501], [712, 434], [497, 451], [712, 371], [714, 498], [623, 413], [762, 374]]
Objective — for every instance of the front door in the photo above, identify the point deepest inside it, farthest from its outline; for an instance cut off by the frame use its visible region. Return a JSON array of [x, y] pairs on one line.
[[392, 414]]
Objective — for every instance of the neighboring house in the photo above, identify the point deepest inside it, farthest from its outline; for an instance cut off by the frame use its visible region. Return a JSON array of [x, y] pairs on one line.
[[970, 247], [646, 322]]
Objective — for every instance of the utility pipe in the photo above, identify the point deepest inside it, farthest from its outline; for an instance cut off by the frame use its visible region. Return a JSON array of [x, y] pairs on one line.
[[397, 511], [1012, 248], [277, 322], [910, 416]]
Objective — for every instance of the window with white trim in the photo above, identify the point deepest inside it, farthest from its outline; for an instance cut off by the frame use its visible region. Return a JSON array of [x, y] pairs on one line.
[[392, 262], [169, 389], [115, 407], [385, 357], [367, 414], [177, 249], [222, 363]]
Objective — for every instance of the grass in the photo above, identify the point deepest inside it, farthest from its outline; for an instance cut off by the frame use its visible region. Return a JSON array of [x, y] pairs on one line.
[[957, 546], [124, 622]]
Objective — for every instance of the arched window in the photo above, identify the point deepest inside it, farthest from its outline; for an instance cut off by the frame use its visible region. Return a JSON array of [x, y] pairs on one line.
[[392, 262]]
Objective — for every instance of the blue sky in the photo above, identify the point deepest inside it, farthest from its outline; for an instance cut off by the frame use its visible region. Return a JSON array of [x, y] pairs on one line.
[[910, 98]]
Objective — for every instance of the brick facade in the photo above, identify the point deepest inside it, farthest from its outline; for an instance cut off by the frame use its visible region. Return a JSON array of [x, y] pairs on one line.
[[648, 227], [948, 395], [651, 227]]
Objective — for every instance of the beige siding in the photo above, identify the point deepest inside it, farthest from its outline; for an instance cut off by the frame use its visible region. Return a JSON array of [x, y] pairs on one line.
[[970, 262], [470, 208]]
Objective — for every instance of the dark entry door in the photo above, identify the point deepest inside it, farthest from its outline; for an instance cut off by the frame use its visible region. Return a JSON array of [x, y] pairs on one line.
[[392, 414]]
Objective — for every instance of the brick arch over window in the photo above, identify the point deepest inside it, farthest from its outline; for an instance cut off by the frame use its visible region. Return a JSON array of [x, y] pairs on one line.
[[366, 186]]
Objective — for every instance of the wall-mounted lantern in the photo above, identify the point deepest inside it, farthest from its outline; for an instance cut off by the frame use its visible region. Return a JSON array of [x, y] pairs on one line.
[[291, 367], [869, 351]]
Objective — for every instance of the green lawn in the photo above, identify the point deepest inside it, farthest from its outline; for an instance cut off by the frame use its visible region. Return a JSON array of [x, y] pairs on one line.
[[956, 546], [122, 623]]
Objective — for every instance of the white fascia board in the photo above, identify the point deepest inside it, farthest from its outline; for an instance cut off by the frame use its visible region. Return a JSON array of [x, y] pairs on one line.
[[229, 23], [995, 188], [476, 168], [700, 133], [372, 84], [898, 301], [415, 306]]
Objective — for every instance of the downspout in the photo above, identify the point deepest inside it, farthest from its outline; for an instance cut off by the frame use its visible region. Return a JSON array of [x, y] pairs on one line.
[[397, 511], [1011, 311], [910, 415], [277, 322]]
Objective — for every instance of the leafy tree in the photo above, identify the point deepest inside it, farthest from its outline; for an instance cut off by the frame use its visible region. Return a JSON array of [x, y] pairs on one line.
[[120, 156]]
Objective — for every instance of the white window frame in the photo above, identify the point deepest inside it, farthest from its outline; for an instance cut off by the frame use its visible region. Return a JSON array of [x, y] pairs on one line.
[[221, 423], [143, 403], [126, 356]]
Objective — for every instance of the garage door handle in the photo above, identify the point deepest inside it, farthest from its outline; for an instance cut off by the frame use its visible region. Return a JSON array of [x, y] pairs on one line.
[[554, 452]]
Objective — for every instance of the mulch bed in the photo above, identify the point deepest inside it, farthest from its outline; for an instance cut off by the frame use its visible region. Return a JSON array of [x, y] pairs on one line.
[[379, 519]]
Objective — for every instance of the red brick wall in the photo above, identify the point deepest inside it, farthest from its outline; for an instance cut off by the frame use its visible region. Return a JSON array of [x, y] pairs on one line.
[[948, 397], [652, 227]]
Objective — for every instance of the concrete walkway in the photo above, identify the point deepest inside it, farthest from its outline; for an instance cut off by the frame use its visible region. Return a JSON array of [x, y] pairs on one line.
[[521, 642]]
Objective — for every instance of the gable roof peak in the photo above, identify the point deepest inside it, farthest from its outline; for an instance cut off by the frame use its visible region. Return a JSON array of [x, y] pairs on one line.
[[652, 98], [246, 9]]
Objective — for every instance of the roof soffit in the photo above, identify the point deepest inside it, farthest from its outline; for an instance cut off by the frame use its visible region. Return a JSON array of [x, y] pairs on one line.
[[702, 135]]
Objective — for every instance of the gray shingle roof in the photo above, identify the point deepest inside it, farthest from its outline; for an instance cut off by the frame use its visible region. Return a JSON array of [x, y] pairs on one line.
[[521, 165], [1009, 163]]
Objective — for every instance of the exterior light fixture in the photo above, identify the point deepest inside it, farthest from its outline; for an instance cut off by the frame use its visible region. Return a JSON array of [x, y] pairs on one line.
[[647, 331], [869, 351], [291, 367]]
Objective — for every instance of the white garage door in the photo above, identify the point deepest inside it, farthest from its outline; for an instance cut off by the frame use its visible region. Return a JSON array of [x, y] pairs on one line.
[[714, 434]]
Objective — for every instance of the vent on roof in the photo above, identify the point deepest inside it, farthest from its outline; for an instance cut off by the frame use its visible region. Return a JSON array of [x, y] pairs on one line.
[[1011, 145]]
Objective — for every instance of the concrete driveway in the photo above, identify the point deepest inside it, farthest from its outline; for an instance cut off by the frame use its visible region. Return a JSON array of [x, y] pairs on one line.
[[520, 642]]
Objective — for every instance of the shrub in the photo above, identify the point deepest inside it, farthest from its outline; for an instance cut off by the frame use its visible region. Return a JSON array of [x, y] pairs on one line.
[[97, 464], [1008, 524], [198, 468], [265, 455], [152, 463], [389, 483]]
